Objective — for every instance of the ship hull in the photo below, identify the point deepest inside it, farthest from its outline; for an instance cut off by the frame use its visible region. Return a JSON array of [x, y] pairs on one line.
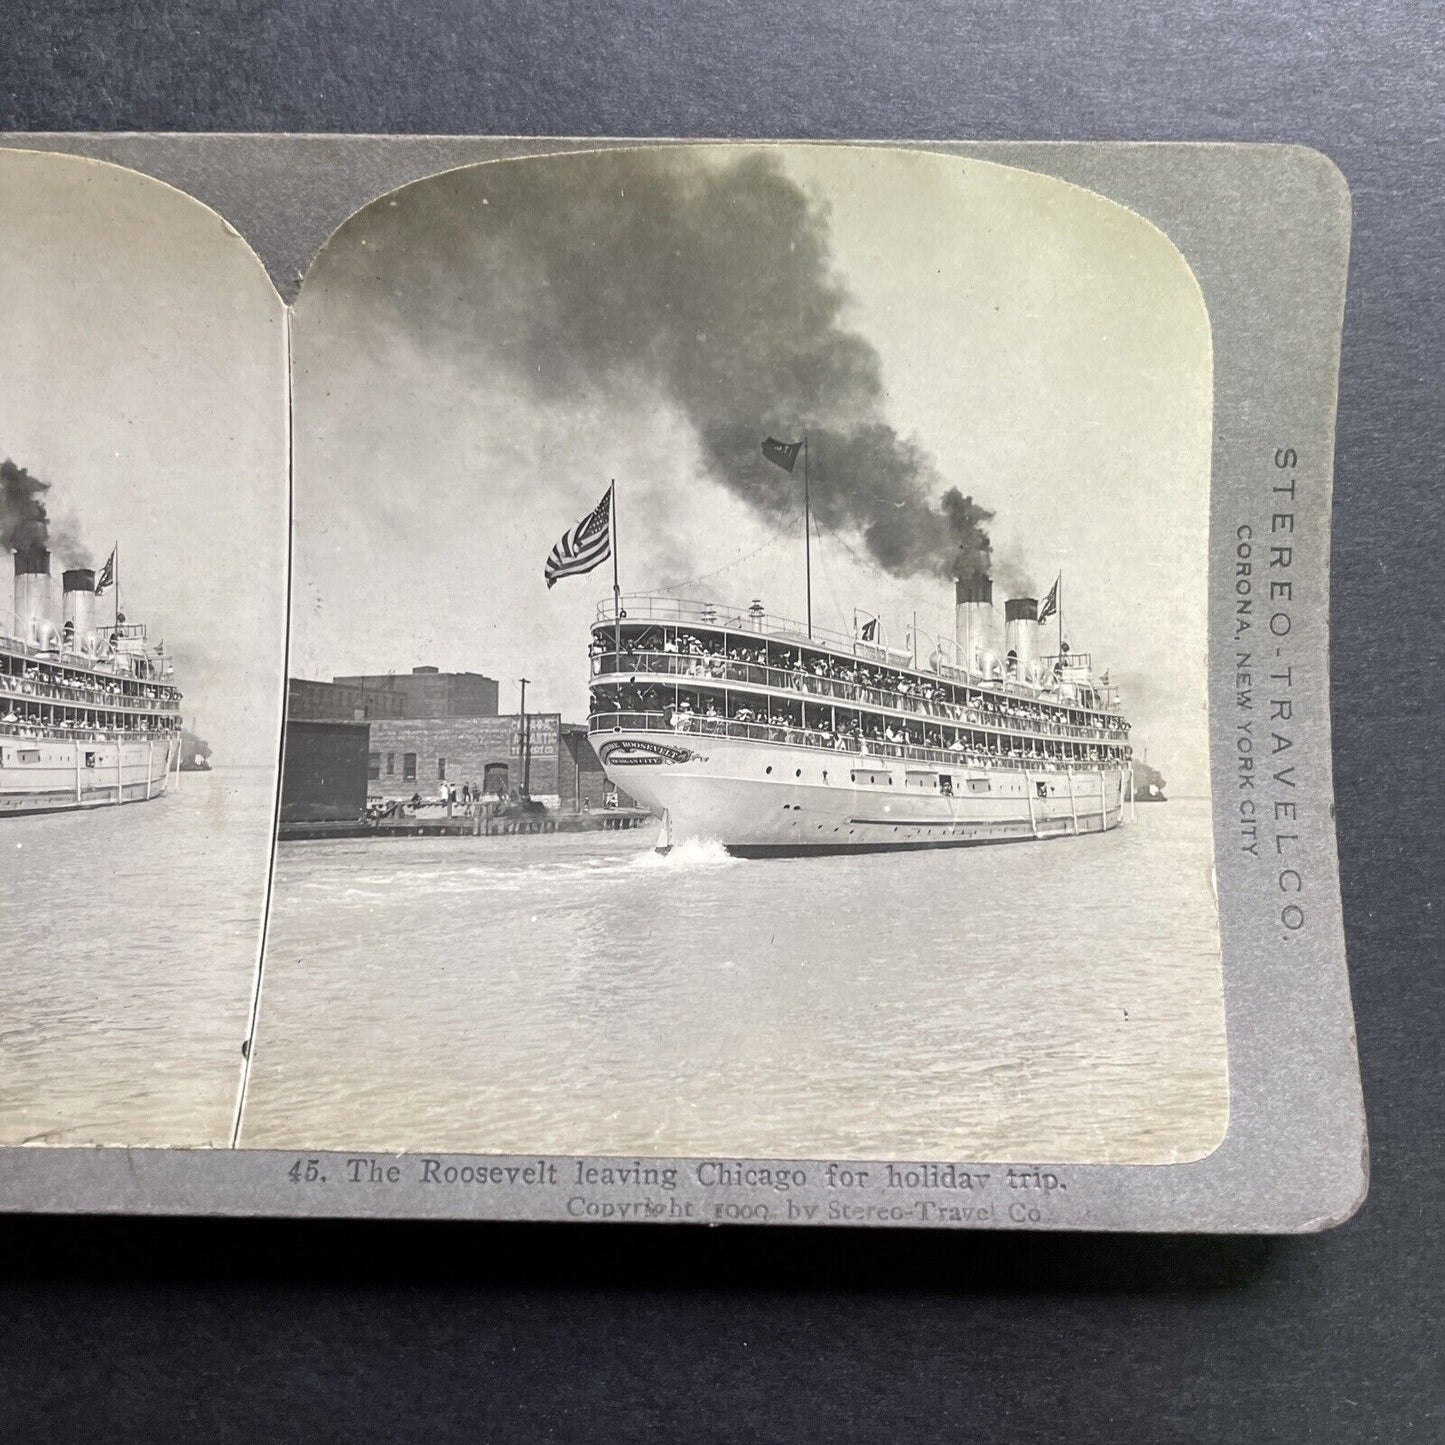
[[62, 775], [761, 799]]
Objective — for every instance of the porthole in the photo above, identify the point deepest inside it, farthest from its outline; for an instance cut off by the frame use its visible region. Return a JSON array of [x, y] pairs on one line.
[[769, 768], [798, 773]]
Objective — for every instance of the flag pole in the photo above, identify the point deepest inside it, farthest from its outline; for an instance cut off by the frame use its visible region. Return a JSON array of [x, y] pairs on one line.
[[616, 585], [807, 536]]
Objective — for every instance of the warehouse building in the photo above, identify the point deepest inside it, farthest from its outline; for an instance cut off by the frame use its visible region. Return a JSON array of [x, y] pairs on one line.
[[323, 774], [312, 701], [429, 692], [501, 757]]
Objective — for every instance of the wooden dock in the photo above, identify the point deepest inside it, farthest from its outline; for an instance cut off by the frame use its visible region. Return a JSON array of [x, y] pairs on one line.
[[436, 824]]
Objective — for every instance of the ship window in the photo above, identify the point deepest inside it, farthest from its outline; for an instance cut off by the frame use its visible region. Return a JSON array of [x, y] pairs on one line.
[[441, 770], [391, 765], [408, 767], [373, 765], [90, 760]]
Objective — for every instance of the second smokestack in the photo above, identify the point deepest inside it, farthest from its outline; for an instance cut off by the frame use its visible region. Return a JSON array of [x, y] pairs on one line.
[[1021, 631], [77, 605]]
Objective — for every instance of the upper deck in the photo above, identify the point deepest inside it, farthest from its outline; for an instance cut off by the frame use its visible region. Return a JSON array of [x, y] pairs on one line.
[[668, 637], [123, 693]]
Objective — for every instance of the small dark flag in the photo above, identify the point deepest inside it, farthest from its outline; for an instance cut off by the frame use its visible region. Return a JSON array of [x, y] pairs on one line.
[[1051, 602], [107, 575], [869, 631], [782, 454]]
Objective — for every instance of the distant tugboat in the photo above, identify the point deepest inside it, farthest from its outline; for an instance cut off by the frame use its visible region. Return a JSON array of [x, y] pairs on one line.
[[88, 716], [1149, 784], [195, 753]]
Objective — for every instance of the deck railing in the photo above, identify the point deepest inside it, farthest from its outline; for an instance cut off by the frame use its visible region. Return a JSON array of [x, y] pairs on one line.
[[21, 687], [804, 684], [862, 749], [107, 666], [674, 611], [40, 733]]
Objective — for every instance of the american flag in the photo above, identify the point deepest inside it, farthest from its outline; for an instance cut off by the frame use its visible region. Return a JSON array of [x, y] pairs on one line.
[[1051, 602], [585, 545]]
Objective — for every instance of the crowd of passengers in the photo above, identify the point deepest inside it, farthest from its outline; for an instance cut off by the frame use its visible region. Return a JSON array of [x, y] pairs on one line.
[[34, 681], [26, 725], [707, 660], [882, 737]]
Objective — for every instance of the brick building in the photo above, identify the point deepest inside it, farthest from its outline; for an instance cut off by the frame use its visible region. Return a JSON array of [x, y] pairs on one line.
[[429, 692], [308, 700], [417, 755]]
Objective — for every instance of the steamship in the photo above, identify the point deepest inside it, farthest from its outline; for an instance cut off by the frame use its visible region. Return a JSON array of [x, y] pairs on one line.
[[775, 737], [88, 715]]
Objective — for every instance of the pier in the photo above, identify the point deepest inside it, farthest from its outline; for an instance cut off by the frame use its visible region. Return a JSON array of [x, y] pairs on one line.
[[437, 824]]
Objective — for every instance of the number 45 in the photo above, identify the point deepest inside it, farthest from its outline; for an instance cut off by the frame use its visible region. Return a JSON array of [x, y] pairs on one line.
[[310, 1173]]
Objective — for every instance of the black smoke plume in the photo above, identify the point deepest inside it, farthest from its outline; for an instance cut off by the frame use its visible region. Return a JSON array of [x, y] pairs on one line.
[[24, 520], [665, 275]]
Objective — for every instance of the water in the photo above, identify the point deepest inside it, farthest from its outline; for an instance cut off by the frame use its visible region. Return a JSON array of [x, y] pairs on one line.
[[130, 944], [580, 994]]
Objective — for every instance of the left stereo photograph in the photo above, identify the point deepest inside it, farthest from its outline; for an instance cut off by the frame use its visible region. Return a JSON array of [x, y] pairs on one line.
[[143, 558]]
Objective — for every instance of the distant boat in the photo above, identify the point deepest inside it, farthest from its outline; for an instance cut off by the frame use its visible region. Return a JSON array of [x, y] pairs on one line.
[[195, 753], [1148, 784]]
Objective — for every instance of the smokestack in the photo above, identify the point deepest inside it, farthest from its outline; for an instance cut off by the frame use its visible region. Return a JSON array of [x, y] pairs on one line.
[[9, 626], [78, 604], [34, 606], [976, 621], [1021, 630]]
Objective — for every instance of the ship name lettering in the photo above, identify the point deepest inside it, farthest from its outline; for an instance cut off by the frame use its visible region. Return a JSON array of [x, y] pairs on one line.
[[433, 1171]]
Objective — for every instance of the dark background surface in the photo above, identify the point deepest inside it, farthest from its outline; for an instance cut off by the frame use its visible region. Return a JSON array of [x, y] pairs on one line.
[[135, 1329]]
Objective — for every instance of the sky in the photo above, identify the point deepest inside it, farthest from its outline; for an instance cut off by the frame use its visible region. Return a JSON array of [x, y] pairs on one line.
[[144, 379], [477, 355]]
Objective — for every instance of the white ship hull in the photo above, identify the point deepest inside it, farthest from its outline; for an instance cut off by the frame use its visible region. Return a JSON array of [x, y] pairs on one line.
[[761, 798], [59, 774]]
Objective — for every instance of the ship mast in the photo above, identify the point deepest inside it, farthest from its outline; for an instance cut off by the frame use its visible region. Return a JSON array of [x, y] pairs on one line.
[[807, 537]]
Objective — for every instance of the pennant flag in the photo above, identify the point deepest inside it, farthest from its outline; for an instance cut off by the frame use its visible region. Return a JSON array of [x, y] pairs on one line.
[[1105, 679], [1051, 602], [782, 454], [869, 631], [585, 545], [107, 575]]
